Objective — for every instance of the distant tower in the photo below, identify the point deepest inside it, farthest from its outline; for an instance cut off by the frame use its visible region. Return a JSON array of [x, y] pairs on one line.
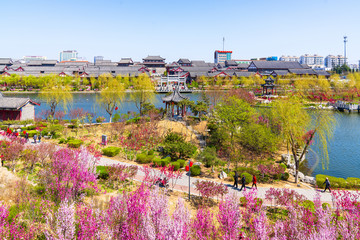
[[345, 41]]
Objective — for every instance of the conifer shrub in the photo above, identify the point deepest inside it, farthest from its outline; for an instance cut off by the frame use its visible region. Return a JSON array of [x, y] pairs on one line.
[[195, 170], [75, 143], [111, 151], [248, 177], [181, 162], [176, 165]]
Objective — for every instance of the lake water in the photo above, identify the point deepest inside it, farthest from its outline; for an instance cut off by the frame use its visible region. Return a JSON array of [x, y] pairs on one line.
[[344, 148], [87, 101]]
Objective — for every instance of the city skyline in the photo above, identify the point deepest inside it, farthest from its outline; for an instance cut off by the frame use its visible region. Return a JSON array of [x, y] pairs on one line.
[[194, 30]]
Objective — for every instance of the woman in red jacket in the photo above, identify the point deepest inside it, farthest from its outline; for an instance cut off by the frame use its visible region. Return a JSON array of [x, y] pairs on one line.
[[254, 182]]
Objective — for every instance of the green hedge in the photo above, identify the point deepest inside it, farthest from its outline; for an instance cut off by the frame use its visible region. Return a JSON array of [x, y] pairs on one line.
[[165, 161], [157, 161], [181, 162], [144, 158], [248, 177], [283, 166], [353, 182], [31, 133], [111, 151], [334, 181], [75, 143], [176, 165], [195, 170], [102, 172]]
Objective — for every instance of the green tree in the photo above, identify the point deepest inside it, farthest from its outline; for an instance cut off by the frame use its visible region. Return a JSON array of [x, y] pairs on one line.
[[111, 96], [232, 115], [55, 92], [144, 92], [176, 147], [298, 128]]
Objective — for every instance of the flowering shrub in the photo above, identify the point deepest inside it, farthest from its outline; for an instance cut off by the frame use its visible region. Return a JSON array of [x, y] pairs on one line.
[[271, 170], [118, 174], [69, 173], [209, 189]]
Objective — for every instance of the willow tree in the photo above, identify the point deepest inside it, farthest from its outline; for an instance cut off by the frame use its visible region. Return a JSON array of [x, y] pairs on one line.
[[144, 92], [298, 127], [56, 92], [111, 95]]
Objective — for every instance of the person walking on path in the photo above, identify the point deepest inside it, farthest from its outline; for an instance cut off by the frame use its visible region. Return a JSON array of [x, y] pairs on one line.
[[35, 137], [243, 181], [236, 177], [254, 182], [27, 137], [39, 137], [327, 185]]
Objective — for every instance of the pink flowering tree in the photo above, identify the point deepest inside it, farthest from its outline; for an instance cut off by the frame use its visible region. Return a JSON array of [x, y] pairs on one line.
[[68, 174]]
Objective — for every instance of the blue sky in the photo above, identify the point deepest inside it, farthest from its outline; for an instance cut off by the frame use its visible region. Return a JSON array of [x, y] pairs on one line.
[[179, 29]]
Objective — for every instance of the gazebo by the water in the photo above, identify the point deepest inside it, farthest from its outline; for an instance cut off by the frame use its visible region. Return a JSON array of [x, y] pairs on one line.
[[269, 85], [173, 100]]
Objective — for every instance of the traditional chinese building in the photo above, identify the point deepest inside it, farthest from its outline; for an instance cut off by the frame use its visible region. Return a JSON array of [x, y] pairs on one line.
[[12, 108]]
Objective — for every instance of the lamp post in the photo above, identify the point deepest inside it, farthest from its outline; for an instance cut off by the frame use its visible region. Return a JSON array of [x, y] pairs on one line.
[[189, 178]]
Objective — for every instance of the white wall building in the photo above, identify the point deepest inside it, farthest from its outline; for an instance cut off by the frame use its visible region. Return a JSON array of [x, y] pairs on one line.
[[289, 58], [33, 58], [68, 55], [332, 61], [312, 60]]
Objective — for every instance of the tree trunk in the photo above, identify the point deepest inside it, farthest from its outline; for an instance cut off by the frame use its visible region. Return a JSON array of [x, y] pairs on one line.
[[110, 118]]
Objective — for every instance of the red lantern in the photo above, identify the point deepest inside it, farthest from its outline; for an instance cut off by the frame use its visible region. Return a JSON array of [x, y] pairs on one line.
[[116, 108], [191, 164], [24, 132], [187, 168]]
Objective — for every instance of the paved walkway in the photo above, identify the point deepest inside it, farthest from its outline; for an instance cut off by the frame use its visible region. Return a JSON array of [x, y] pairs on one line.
[[183, 184]]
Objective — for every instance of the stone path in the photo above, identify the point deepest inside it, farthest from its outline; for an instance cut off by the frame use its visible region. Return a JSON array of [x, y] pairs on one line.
[[183, 184]]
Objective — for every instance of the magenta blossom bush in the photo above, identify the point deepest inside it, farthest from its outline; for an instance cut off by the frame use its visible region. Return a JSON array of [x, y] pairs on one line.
[[68, 174]]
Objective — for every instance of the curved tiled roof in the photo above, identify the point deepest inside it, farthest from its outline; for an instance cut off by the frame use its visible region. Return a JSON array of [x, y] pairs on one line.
[[175, 96]]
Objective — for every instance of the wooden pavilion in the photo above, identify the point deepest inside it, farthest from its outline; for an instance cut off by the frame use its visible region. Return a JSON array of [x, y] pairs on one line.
[[269, 86], [173, 101]]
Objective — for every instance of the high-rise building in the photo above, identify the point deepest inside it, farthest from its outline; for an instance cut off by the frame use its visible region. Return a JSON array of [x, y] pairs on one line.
[[98, 58], [332, 61], [68, 55], [289, 58], [222, 56], [33, 58], [312, 60]]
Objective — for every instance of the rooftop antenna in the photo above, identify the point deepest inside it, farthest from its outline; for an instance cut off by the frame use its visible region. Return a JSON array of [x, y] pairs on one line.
[[223, 43], [345, 41]]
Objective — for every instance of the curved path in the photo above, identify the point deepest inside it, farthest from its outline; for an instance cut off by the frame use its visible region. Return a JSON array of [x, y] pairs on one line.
[[183, 184]]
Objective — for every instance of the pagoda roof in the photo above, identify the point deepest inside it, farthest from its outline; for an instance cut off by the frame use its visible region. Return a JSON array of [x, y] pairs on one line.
[[175, 96]]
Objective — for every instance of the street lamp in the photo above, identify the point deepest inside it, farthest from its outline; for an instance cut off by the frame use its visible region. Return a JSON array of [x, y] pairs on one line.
[[189, 179]]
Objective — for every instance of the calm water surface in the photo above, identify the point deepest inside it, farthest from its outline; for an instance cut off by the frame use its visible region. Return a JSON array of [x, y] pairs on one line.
[[344, 148]]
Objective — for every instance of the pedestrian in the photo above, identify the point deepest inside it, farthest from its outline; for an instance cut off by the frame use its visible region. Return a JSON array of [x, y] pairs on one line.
[[35, 137], [243, 181], [27, 137], [327, 185], [254, 182], [236, 177], [39, 137]]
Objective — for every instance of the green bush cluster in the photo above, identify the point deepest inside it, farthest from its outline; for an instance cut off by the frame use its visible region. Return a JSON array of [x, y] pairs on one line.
[[102, 172], [145, 157], [176, 147], [176, 165], [248, 177], [308, 204], [335, 182], [285, 176], [181, 162], [111, 151], [283, 166], [75, 143], [195, 170]]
